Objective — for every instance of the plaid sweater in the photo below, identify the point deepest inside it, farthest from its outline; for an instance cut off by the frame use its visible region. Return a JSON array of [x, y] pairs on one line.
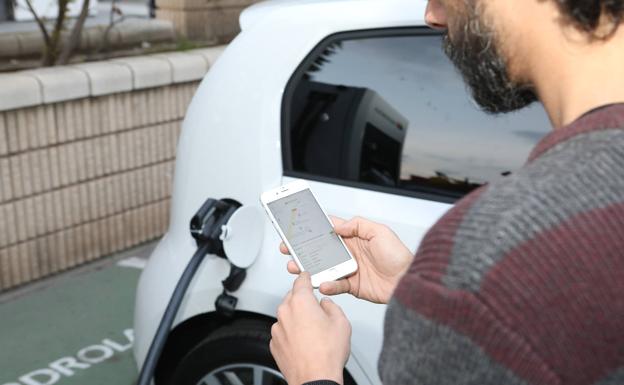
[[522, 282]]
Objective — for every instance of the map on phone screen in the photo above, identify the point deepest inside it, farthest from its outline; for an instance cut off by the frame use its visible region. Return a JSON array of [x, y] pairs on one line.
[[308, 231]]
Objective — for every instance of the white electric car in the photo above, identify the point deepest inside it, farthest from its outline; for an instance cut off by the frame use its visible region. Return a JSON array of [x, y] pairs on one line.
[[357, 98]]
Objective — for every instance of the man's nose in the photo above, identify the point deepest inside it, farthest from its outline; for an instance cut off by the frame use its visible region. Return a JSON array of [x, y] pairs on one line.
[[435, 15]]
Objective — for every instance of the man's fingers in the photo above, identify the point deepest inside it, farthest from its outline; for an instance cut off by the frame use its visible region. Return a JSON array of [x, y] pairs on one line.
[[303, 284], [331, 308], [337, 221], [287, 297], [335, 287], [292, 267], [284, 249], [272, 347], [357, 227]]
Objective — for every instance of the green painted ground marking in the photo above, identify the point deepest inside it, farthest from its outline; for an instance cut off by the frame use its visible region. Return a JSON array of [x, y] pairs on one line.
[[70, 315]]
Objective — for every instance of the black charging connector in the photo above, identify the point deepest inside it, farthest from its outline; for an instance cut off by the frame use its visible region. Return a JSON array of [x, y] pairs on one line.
[[207, 227], [225, 304], [207, 224]]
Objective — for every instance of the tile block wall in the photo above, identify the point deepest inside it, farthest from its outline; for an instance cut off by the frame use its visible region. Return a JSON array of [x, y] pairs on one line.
[[83, 178]]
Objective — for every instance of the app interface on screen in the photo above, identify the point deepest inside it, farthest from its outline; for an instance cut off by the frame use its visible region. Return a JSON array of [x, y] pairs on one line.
[[308, 231]]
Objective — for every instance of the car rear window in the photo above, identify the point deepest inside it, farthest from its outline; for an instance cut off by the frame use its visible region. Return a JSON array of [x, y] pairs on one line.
[[386, 110]]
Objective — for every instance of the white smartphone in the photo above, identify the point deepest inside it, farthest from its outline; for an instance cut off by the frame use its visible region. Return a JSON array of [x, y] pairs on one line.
[[308, 233]]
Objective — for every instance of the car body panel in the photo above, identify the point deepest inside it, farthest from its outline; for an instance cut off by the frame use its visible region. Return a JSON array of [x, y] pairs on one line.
[[230, 148]]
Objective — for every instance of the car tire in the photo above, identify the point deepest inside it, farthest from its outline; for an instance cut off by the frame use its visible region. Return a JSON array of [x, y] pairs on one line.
[[234, 354]]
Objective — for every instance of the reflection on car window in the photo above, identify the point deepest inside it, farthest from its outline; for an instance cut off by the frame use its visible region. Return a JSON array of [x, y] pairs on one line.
[[392, 111]]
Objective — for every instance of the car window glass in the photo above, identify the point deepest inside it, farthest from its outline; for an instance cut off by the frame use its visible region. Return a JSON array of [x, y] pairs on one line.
[[392, 112]]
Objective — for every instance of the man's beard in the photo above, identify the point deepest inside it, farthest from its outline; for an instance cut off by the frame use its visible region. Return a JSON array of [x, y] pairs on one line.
[[474, 50]]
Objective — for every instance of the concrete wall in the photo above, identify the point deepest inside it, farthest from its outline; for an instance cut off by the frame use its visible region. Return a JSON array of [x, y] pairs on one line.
[[211, 21], [86, 158]]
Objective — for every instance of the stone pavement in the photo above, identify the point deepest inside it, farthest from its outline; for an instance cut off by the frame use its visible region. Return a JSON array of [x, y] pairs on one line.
[[74, 328]]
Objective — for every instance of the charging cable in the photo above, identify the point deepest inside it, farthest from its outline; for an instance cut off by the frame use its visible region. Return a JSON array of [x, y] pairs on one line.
[[206, 227]]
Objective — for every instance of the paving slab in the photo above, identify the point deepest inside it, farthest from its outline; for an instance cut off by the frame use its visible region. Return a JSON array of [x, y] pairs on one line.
[[19, 91], [73, 329], [210, 54], [60, 83], [185, 66], [147, 71], [106, 77]]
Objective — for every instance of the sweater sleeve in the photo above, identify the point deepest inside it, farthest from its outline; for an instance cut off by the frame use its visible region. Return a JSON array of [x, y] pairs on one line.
[[444, 347], [438, 332], [521, 281]]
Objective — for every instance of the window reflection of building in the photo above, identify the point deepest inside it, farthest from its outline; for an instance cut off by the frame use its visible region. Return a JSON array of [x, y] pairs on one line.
[[352, 133], [347, 132], [448, 146]]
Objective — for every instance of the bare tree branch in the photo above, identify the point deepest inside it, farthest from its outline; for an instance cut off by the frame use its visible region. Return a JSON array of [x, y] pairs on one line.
[[74, 38], [55, 42], [40, 23], [111, 24], [60, 19]]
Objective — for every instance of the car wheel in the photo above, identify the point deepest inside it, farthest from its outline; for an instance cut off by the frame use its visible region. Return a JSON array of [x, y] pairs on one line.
[[235, 354]]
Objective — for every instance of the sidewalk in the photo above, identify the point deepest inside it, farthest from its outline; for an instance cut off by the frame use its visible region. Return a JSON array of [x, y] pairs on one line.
[[74, 328]]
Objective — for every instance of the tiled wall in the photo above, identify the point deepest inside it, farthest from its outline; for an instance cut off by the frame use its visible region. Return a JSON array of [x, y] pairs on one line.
[[83, 178], [213, 21]]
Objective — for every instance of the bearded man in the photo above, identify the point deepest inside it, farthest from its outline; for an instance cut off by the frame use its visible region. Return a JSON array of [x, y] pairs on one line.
[[522, 282]]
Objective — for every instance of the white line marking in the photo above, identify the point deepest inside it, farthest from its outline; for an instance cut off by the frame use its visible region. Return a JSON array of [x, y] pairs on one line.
[[133, 262]]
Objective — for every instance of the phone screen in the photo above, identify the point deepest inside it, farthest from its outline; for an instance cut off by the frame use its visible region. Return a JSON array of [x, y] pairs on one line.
[[308, 231]]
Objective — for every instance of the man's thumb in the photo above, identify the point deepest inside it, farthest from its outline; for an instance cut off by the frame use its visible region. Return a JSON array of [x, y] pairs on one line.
[[346, 229]]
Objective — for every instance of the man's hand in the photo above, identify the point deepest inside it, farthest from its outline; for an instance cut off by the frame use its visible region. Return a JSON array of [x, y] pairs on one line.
[[310, 340], [381, 256]]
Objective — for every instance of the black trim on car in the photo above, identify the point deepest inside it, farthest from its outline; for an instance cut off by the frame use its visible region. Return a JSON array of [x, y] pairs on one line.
[[287, 164], [372, 187]]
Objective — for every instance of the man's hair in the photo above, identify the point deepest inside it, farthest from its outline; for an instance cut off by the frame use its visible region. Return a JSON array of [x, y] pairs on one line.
[[589, 14]]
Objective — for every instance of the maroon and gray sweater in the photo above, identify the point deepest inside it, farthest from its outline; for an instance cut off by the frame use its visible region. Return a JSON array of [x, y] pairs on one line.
[[522, 282]]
